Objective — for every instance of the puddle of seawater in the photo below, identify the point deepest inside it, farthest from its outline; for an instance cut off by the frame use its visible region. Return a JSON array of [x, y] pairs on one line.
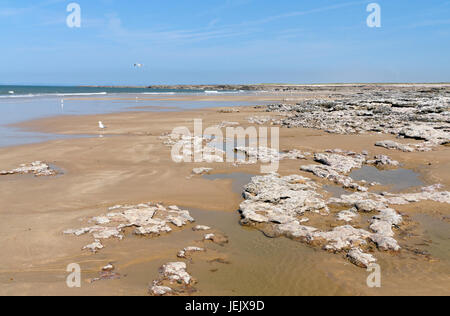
[[396, 179], [261, 265], [336, 191], [15, 110], [240, 179], [439, 232], [228, 146]]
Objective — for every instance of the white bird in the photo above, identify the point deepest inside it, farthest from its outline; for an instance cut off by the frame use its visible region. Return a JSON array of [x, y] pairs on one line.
[[138, 65], [100, 125], [11, 92]]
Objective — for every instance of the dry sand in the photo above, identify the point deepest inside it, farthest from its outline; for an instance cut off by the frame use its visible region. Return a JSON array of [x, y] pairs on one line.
[[129, 164]]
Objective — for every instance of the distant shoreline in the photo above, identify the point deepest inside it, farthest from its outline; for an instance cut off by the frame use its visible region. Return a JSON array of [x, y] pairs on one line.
[[269, 87]]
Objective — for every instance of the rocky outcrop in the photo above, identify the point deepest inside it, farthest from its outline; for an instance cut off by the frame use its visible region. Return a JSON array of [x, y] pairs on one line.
[[389, 144], [200, 171], [265, 154], [347, 215], [176, 272], [341, 163], [403, 113], [335, 167], [281, 200], [186, 252], [327, 172], [275, 205], [173, 279], [38, 168], [147, 219], [201, 227], [357, 257], [382, 161]]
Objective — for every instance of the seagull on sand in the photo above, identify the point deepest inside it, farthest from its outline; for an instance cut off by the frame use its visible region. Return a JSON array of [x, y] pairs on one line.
[[100, 125]]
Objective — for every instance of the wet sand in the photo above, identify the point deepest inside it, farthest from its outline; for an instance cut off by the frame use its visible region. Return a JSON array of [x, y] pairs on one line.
[[130, 164]]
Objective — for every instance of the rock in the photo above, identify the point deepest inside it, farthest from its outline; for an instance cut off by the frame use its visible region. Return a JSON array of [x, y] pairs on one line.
[[280, 199], [176, 272], [368, 205], [193, 148], [158, 290], [147, 219], [340, 163], [359, 258], [229, 111], [107, 273], [294, 230], [226, 124], [382, 160], [216, 238], [188, 250], [389, 144], [38, 168], [332, 175], [266, 155], [94, 247], [347, 215], [426, 132], [404, 113], [342, 238], [108, 267], [200, 171], [385, 243], [201, 227]]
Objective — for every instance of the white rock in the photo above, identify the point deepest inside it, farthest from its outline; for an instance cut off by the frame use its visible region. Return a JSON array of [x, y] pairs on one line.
[[347, 215], [201, 227], [199, 171], [160, 290], [176, 272], [94, 247], [359, 258]]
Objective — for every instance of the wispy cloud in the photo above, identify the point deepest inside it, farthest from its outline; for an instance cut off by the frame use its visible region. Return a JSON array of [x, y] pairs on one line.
[[119, 32], [10, 12], [213, 30], [430, 23], [301, 13]]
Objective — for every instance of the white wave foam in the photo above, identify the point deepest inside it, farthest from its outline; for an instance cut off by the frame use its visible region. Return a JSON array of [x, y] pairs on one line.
[[156, 93], [50, 95], [78, 94]]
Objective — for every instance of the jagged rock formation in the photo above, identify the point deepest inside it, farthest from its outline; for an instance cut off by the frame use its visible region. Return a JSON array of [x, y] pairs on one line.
[[275, 205], [38, 168], [405, 113], [147, 219]]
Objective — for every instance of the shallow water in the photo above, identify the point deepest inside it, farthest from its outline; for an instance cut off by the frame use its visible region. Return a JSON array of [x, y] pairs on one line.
[[239, 179], [396, 179], [18, 109], [336, 191]]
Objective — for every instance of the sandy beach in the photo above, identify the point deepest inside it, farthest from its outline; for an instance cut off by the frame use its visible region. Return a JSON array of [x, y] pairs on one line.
[[128, 163]]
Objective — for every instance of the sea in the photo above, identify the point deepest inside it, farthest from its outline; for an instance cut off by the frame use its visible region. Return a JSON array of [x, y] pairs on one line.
[[24, 103]]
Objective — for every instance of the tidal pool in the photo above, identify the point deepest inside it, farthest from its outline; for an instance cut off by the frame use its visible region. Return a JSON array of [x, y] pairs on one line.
[[396, 179]]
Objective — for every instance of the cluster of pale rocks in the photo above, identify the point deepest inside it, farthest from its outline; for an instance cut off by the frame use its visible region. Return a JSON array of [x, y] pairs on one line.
[[265, 154], [192, 148], [201, 149], [405, 114], [152, 220], [278, 205], [174, 278], [147, 219], [335, 165], [38, 168]]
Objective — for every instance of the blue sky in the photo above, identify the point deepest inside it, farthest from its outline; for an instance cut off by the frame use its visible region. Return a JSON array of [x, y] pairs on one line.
[[223, 41]]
